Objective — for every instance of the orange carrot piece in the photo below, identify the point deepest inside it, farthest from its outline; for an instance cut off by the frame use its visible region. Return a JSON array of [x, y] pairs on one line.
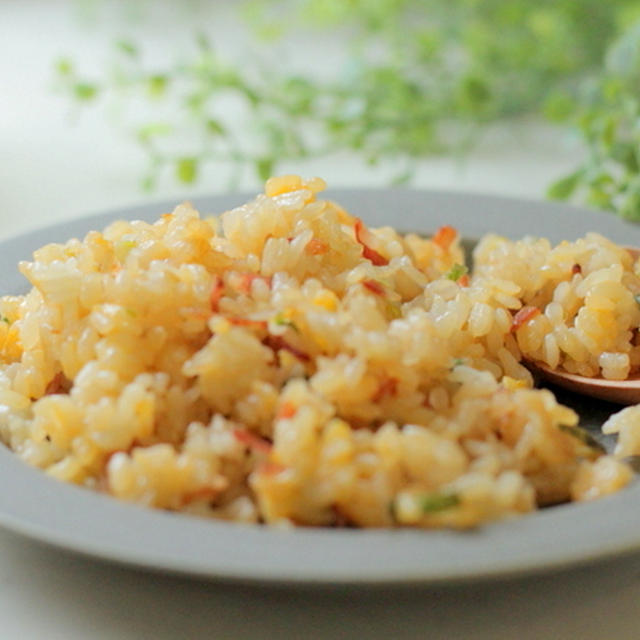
[[252, 441], [247, 322], [445, 236], [523, 316], [204, 493], [316, 247], [217, 289], [387, 387], [58, 383], [277, 342], [245, 280], [367, 252], [270, 468], [287, 410], [374, 286]]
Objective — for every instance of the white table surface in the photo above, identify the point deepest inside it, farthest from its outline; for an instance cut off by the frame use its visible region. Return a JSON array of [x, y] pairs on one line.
[[51, 171]]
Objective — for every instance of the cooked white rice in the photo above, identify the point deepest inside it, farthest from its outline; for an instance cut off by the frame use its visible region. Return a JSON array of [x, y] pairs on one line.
[[285, 364]]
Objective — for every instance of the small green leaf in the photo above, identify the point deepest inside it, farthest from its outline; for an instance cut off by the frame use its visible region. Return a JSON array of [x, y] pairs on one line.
[[608, 135], [187, 169], [157, 85], [5, 319], [564, 188], [195, 101], [148, 183], [630, 206], [203, 42], [64, 67], [269, 32], [127, 47], [403, 178], [152, 130], [599, 198], [84, 91], [559, 106], [264, 167], [626, 153], [474, 93], [214, 127]]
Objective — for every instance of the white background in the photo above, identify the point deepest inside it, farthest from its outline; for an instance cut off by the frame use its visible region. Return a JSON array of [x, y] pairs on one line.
[[56, 166]]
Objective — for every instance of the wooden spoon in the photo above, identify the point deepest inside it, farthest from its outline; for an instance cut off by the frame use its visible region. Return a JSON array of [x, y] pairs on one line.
[[621, 391]]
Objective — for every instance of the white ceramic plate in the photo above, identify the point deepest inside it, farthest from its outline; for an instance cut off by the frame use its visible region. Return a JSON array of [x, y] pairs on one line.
[[81, 521]]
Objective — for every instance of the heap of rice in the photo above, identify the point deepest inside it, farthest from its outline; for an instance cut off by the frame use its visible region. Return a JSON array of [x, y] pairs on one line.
[[286, 364], [578, 301]]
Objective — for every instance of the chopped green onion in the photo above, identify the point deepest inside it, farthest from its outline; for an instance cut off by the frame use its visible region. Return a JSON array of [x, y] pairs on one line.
[[394, 310], [282, 321], [123, 247], [583, 435], [456, 272], [434, 502], [5, 319]]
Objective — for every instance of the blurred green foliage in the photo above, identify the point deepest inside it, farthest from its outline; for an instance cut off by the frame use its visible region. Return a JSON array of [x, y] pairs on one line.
[[417, 77], [607, 114]]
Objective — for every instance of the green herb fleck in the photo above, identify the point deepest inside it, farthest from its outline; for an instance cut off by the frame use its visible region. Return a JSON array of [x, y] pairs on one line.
[[434, 502], [122, 249], [583, 435], [132, 312], [457, 362], [282, 321], [394, 310], [5, 319], [456, 272]]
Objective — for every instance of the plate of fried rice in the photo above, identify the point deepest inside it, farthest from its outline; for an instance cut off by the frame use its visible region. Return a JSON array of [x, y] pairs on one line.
[[321, 387]]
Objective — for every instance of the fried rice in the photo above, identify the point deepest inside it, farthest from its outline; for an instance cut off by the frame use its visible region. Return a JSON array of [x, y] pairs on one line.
[[285, 364]]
